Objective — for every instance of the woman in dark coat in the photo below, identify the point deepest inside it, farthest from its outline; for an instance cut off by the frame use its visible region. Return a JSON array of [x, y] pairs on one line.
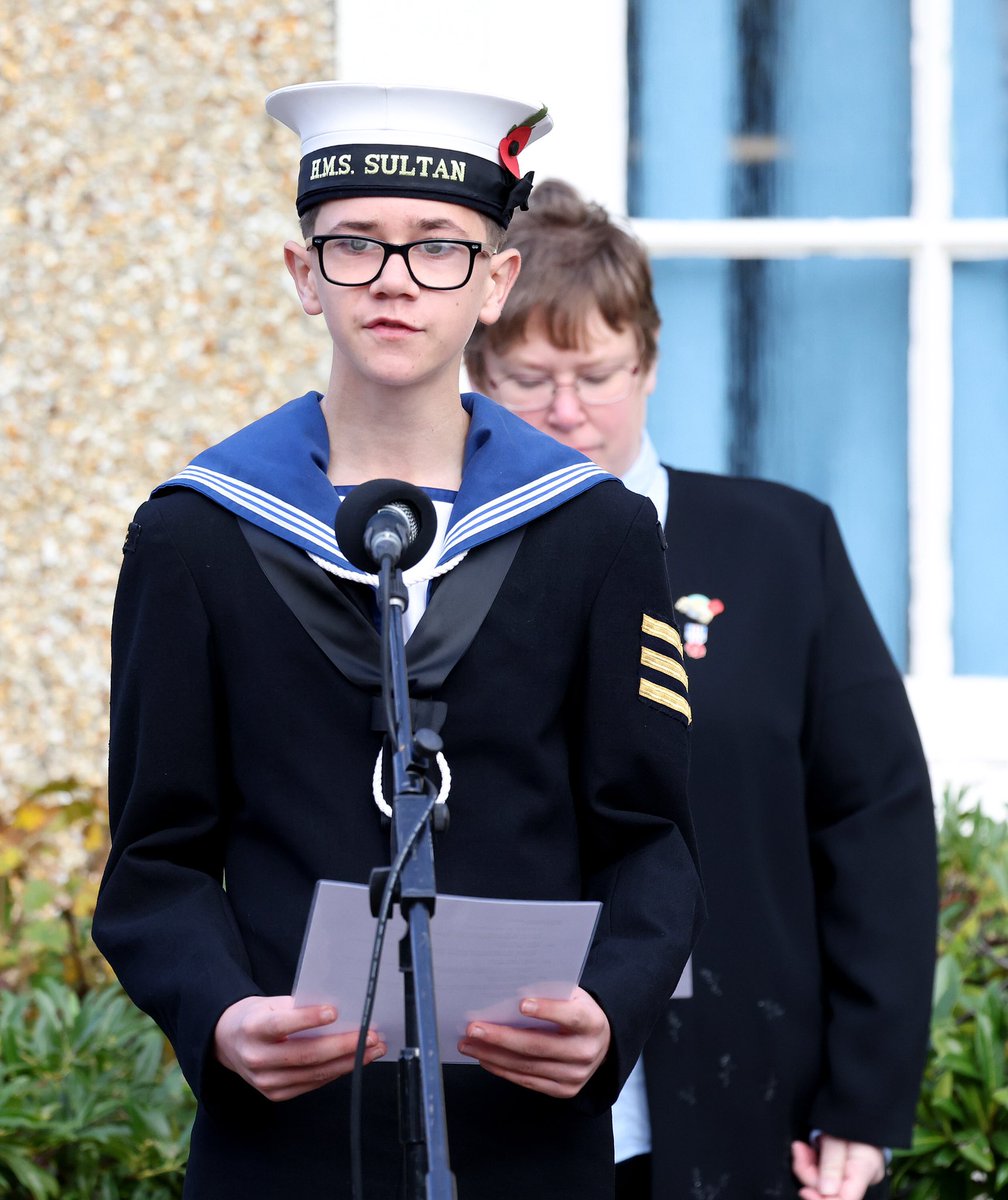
[[790, 1055]]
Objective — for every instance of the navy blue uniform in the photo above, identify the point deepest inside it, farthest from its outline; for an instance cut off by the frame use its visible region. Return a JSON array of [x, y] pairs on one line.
[[241, 758]]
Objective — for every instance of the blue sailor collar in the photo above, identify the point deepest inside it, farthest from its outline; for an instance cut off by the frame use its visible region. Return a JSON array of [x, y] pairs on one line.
[[273, 473]]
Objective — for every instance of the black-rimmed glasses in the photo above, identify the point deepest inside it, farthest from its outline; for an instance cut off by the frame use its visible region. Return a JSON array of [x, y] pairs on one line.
[[439, 264]]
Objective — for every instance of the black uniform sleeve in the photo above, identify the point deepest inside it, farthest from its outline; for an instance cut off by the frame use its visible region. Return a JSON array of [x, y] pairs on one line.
[[871, 822], [163, 919], [639, 845]]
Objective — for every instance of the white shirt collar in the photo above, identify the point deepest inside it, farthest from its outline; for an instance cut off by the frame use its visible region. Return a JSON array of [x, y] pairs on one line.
[[648, 477]]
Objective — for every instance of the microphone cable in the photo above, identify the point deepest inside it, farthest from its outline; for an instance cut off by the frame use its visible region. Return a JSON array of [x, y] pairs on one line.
[[385, 586]]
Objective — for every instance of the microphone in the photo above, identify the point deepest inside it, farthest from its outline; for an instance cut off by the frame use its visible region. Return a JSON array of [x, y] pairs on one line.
[[393, 527], [386, 518]]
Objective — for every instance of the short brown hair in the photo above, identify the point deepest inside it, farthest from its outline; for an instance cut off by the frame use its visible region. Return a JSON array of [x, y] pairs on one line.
[[575, 259]]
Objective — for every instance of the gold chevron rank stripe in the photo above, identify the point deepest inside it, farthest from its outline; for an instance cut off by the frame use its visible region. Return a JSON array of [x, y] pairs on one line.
[[664, 664], [668, 665], [661, 629], [664, 695]]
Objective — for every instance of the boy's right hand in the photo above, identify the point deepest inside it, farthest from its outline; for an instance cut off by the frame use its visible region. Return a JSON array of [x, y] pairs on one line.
[[252, 1038]]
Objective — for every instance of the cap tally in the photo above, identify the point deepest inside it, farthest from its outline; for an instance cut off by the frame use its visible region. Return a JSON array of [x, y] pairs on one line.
[[365, 140]]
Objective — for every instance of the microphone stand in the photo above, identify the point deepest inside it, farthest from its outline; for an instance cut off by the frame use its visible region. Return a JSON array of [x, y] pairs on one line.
[[422, 1123]]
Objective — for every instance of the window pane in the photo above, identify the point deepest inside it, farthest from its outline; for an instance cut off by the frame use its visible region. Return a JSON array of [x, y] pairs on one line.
[[980, 107], [980, 492], [796, 371], [769, 108]]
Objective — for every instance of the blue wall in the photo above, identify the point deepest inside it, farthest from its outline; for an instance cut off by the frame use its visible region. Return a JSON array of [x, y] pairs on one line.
[[795, 369], [980, 465], [980, 344], [980, 107]]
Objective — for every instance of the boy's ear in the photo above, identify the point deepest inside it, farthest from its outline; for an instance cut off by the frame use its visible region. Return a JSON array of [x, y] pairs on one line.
[[504, 268], [298, 259]]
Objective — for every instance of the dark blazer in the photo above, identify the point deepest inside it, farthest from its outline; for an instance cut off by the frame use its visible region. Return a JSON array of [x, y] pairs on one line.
[[240, 767], [814, 817]]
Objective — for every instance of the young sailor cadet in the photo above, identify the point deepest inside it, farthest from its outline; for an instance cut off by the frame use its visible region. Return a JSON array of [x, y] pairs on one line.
[[542, 648]]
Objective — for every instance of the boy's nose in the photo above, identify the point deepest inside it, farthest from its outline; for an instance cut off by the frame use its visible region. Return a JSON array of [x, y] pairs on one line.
[[395, 278]]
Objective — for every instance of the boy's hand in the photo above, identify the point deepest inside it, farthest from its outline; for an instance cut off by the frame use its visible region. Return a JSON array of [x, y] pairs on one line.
[[252, 1038], [557, 1062], [839, 1170]]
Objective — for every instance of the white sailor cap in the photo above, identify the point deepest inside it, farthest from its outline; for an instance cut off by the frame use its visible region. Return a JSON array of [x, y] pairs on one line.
[[364, 140]]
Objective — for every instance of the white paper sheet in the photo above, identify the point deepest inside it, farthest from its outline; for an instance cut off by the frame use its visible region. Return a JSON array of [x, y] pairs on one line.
[[488, 955]]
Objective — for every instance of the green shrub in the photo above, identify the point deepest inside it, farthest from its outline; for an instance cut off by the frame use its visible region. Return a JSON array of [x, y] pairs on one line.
[[52, 851], [960, 1147], [92, 1104]]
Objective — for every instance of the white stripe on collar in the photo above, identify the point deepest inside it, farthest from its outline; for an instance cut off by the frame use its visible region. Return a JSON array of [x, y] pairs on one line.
[[273, 473], [261, 503], [522, 500]]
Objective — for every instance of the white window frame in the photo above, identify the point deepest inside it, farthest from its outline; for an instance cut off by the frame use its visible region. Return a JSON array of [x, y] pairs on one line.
[[537, 49]]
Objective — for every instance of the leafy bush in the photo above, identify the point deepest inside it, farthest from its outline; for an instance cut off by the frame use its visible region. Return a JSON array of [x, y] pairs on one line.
[[52, 851], [960, 1147], [92, 1105]]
